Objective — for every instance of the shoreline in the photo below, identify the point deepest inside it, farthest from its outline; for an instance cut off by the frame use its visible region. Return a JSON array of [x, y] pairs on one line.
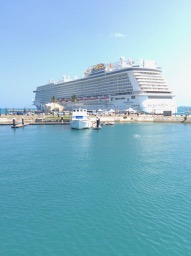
[[47, 120]]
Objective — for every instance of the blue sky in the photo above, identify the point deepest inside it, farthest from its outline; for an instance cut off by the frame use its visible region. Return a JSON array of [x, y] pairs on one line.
[[43, 40]]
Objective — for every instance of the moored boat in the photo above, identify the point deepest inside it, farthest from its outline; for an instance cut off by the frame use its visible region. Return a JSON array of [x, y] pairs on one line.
[[80, 119], [109, 123]]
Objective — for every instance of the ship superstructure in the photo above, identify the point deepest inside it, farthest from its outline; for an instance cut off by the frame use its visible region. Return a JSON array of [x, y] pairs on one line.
[[120, 86]]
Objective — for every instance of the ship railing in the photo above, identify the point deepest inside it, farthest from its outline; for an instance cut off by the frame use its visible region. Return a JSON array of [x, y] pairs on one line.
[[117, 66], [139, 92], [146, 92]]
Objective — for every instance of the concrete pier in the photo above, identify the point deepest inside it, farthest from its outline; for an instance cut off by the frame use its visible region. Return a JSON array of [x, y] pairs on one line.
[[17, 126], [145, 118], [35, 120]]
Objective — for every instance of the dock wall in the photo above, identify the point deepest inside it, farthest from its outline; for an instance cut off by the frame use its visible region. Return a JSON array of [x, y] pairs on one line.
[[7, 120]]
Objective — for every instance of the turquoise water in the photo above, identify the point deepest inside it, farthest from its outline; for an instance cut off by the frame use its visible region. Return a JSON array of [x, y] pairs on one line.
[[121, 190]]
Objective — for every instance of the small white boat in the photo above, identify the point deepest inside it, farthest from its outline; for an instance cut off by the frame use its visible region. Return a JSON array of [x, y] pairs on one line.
[[110, 123], [80, 119]]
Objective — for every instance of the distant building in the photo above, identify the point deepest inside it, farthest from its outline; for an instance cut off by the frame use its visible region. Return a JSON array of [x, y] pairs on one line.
[[54, 106]]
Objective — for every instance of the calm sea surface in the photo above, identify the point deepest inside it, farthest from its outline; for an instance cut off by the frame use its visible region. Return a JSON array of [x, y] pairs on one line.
[[122, 190]]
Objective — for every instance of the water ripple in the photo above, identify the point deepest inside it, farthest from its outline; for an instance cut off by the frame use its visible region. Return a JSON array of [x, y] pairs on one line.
[[124, 190]]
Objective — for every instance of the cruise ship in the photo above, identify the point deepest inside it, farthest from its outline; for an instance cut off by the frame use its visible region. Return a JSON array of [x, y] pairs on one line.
[[120, 86]]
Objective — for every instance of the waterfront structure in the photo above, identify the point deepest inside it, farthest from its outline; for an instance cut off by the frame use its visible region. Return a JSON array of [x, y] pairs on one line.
[[119, 86], [54, 106]]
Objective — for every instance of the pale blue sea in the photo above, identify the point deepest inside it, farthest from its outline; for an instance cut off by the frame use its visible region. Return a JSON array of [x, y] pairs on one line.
[[121, 190]]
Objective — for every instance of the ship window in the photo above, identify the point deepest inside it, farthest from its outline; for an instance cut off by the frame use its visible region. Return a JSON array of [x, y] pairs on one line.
[[132, 97], [119, 98]]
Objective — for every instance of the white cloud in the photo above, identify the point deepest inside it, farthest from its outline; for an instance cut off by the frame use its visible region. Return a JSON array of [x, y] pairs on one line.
[[118, 35]]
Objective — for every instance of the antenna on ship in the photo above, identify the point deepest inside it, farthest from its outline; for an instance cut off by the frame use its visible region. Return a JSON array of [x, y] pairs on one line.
[[122, 61], [140, 62], [64, 78]]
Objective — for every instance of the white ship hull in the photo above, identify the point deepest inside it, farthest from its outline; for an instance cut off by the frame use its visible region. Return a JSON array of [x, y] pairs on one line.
[[143, 104], [79, 125], [118, 86]]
